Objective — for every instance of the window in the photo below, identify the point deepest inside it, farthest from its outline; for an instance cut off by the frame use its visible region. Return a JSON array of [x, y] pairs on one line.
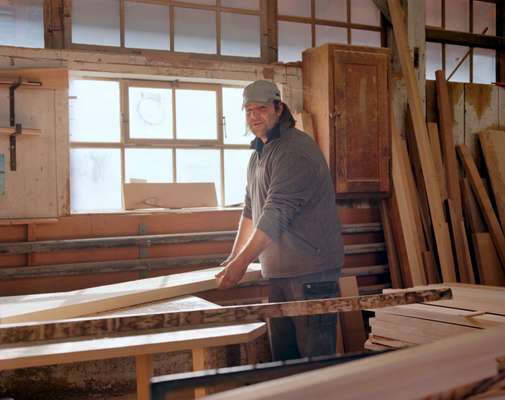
[[22, 23], [170, 132], [471, 16], [307, 23], [227, 27]]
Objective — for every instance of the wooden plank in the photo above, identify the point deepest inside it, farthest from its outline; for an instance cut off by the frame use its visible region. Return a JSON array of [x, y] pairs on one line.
[[493, 147], [406, 210], [100, 326], [394, 269], [169, 195], [464, 263], [490, 270], [484, 202], [422, 143], [437, 156], [24, 131], [144, 372], [50, 78], [353, 328], [371, 378], [472, 211], [109, 297]]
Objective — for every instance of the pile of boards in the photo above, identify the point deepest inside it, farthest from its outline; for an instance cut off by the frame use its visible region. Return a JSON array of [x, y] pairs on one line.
[[472, 308], [446, 225]]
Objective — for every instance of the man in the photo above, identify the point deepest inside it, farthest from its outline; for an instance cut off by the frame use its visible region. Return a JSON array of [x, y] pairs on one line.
[[290, 222]]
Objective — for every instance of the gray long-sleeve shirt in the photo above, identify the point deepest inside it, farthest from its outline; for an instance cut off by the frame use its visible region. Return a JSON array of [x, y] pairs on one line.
[[290, 196]]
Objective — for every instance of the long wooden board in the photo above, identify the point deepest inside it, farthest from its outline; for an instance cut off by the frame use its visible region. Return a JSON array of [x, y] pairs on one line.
[[102, 326], [484, 202], [460, 360], [493, 147], [423, 146], [110, 297]]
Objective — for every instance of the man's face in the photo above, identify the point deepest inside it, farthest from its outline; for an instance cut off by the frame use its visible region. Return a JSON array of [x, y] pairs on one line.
[[260, 117]]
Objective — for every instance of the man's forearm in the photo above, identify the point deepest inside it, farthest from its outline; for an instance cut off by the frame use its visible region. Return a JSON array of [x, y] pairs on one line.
[[255, 245], [245, 230]]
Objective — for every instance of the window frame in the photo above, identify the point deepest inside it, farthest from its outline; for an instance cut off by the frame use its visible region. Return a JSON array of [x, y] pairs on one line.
[[170, 144]]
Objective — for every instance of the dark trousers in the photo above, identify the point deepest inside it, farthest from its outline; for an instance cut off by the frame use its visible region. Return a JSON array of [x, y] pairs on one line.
[[304, 336]]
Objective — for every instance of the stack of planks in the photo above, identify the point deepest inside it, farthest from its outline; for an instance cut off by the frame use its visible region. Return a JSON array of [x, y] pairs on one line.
[[443, 225], [472, 308]]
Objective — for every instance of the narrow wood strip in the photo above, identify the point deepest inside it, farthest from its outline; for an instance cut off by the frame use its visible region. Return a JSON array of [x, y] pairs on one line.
[[101, 326], [394, 269]]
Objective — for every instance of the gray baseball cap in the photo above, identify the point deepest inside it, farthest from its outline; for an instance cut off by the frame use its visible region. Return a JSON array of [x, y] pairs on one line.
[[263, 92]]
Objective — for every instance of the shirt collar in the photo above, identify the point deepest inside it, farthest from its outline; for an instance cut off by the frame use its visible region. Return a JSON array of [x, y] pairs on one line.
[[274, 133]]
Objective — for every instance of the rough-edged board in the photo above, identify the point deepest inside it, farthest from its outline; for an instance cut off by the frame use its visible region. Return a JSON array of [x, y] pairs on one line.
[[490, 270], [110, 297], [493, 147], [353, 328], [422, 144]]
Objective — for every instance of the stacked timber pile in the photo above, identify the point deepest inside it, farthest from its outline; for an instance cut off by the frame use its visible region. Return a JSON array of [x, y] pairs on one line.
[[472, 308], [442, 224]]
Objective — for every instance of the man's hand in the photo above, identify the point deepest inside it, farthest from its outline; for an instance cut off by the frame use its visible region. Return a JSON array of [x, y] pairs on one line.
[[232, 273]]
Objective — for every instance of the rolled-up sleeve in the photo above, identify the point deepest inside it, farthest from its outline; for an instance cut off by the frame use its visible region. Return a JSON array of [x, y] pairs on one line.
[[291, 187]]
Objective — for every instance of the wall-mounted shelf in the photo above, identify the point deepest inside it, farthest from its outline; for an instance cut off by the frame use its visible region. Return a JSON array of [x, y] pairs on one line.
[[25, 131]]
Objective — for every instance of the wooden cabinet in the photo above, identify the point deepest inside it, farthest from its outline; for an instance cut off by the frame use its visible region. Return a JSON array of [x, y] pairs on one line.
[[345, 88]]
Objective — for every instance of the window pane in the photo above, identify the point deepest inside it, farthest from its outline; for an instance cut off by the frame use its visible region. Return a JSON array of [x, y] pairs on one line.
[[95, 179], [297, 8], [94, 111], [195, 31], [453, 55], [22, 23], [199, 166], [151, 165], [434, 13], [433, 59], [235, 127], [196, 115], [150, 113], [330, 34], [240, 35], [293, 39], [96, 22], [365, 38], [147, 26], [247, 4], [365, 12], [484, 65], [235, 175], [204, 2], [484, 16], [335, 10], [457, 16]]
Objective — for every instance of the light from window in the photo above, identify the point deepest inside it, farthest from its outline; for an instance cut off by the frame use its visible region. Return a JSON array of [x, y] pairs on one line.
[[365, 12], [293, 39], [433, 59], [147, 26], [196, 114], [95, 179], [484, 65], [234, 128], [150, 113], [484, 16], [330, 34], [94, 112], [240, 35], [195, 165], [22, 23], [453, 55], [332, 10], [433, 14], [246, 4], [195, 31], [235, 175], [295, 8], [362, 37], [96, 22], [457, 16], [150, 165]]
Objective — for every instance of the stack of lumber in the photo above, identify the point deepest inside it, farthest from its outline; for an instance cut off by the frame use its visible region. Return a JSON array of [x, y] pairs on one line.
[[444, 226], [472, 308]]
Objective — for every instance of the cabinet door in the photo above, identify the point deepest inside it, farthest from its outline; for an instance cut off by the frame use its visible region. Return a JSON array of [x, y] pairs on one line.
[[362, 138]]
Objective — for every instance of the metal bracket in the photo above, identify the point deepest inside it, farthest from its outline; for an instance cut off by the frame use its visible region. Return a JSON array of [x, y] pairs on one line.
[[12, 118]]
